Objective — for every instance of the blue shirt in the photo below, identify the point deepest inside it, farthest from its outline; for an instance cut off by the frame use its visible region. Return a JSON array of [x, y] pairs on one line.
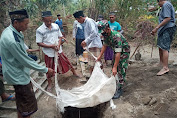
[[167, 11], [80, 31], [60, 24], [114, 26]]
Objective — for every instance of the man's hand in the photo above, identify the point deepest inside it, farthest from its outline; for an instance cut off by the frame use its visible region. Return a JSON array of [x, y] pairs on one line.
[[154, 31], [114, 71], [83, 44], [74, 38], [98, 59], [55, 47], [50, 72]]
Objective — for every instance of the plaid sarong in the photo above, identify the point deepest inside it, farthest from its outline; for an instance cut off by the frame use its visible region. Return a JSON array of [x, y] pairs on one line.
[[165, 38], [63, 64], [95, 51]]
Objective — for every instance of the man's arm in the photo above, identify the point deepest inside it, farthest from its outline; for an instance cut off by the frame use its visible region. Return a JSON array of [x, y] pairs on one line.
[[102, 51], [117, 58], [164, 22], [24, 59], [93, 33], [47, 46], [32, 50]]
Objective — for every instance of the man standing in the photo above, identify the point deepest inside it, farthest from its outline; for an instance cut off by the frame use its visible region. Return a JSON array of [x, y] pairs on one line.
[[47, 36], [108, 54], [92, 38], [17, 64], [166, 30], [59, 22], [119, 45], [113, 24]]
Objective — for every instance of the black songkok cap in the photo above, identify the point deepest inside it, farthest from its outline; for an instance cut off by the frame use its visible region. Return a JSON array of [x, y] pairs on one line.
[[46, 13], [78, 14], [18, 14]]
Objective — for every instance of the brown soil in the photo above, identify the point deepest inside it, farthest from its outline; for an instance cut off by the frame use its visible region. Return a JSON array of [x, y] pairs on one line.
[[145, 94]]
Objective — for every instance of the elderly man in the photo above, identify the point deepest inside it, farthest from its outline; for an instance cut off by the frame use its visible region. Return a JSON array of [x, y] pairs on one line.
[[17, 64], [92, 38], [166, 30], [121, 49], [47, 36]]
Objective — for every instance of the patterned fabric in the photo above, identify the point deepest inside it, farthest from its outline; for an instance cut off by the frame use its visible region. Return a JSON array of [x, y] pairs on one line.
[[95, 52], [102, 25], [50, 63], [165, 38], [63, 64], [108, 54], [49, 37], [25, 99], [119, 44]]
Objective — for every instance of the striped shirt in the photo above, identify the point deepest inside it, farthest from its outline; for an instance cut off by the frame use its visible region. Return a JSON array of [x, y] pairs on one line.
[[48, 37]]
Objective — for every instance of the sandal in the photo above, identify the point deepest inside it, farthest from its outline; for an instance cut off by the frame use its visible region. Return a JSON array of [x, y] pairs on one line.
[[11, 97], [162, 71]]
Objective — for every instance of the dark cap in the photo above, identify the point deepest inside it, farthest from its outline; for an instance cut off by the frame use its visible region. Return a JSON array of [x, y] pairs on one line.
[[100, 17], [18, 14], [78, 14], [46, 13]]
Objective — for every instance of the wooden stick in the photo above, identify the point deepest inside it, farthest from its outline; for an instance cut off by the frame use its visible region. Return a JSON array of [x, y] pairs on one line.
[[135, 50]]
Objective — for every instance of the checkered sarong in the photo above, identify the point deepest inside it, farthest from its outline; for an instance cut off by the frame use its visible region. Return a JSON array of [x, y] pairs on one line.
[[95, 51], [165, 38]]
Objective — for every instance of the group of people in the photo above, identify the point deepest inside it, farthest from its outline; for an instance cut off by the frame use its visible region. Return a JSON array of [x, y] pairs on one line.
[[17, 64]]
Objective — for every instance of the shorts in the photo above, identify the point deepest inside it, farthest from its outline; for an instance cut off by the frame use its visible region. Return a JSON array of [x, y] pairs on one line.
[[25, 99]]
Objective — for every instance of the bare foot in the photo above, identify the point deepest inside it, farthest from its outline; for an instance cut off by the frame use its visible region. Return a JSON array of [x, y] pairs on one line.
[[163, 71], [49, 88]]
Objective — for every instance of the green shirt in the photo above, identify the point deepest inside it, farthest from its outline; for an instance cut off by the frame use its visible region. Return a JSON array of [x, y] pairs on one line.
[[16, 63]]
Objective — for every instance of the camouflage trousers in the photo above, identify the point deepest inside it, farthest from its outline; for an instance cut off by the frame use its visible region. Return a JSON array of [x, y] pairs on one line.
[[122, 68]]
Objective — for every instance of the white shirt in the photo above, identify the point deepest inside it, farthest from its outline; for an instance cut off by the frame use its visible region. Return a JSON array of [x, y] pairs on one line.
[[75, 28], [92, 37], [49, 37]]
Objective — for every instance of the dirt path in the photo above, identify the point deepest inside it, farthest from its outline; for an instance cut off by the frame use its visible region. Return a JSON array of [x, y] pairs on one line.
[[145, 94]]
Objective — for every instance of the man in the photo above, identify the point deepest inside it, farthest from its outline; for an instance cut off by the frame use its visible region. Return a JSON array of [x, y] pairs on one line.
[[92, 38], [121, 49], [166, 30], [113, 24], [47, 36], [59, 22], [108, 54], [17, 64]]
